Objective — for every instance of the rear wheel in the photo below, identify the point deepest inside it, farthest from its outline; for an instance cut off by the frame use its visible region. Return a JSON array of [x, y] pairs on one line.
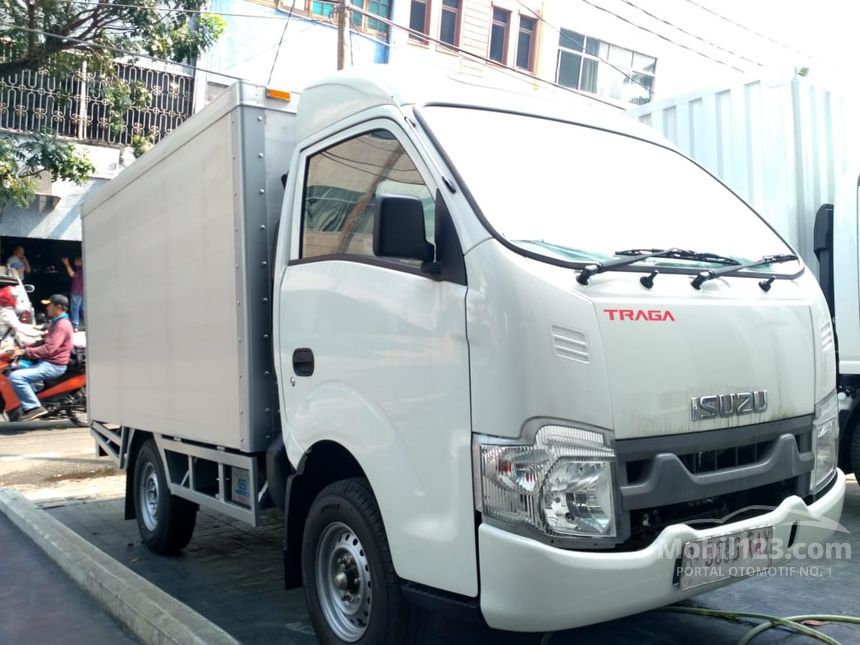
[[351, 589], [78, 409], [165, 521]]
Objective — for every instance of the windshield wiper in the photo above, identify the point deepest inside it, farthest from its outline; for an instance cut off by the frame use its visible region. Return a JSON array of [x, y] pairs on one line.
[[637, 255], [682, 254], [704, 276]]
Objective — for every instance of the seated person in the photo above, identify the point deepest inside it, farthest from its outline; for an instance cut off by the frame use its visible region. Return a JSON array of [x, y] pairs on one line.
[[51, 358]]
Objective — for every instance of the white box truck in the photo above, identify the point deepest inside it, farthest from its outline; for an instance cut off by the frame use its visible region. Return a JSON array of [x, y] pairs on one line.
[[487, 353], [791, 148]]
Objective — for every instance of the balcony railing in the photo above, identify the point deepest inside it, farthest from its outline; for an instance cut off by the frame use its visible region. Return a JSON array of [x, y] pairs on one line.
[[76, 107]]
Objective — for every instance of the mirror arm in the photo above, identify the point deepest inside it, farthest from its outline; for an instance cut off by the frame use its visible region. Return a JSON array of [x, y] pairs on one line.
[[431, 267]]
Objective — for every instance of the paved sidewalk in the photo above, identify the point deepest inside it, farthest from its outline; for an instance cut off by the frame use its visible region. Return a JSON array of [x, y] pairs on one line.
[[40, 604], [232, 574]]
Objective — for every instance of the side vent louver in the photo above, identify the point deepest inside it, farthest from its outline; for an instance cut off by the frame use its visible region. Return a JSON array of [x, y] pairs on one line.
[[827, 336], [569, 344]]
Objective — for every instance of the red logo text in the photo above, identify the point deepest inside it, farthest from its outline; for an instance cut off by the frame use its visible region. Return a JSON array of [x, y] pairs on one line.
[[652, 315]]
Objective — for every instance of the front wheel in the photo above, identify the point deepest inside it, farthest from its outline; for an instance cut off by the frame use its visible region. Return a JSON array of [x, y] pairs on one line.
[[352, 592], [165, 521]]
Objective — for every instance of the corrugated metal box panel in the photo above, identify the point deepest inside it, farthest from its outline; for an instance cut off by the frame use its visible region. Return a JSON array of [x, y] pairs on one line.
[[780, 146], [178, 254]]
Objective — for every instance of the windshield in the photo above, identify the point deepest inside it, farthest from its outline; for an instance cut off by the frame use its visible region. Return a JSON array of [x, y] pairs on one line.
[[580, 194]]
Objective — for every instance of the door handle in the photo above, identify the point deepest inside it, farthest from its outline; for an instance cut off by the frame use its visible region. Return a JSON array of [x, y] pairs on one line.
[[303, 362]]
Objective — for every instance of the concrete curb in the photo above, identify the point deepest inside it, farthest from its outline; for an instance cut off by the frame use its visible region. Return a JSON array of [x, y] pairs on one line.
[[150, 614]]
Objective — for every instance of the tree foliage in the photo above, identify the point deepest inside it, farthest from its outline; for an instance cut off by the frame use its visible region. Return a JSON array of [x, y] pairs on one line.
[[57, 36], [21, 161], [53, 34]]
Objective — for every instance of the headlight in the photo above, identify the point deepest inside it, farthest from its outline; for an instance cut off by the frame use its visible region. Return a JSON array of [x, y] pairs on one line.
[[561, 485], [825, 441]]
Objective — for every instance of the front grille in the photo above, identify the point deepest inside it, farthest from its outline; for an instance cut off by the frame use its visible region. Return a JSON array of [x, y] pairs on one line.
[[646, 524], [709, 461], [702, 478]]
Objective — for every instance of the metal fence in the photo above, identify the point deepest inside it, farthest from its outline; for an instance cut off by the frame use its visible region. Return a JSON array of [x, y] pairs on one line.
[[76, 106]]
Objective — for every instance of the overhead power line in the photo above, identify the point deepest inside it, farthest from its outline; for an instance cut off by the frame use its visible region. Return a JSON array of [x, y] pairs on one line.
[[691, 34], [482, 59], [426, 37], [133, 54], [356, 9], [663, 37], [97, 3], [627, 75], [281, 42], [748, 29], [119, 50], [381, 19]]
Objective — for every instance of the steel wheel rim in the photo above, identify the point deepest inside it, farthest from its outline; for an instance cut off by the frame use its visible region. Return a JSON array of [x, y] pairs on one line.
[[344, 585], [149, 494]]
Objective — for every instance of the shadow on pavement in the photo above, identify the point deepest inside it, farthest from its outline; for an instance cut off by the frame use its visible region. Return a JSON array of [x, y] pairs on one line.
[[18, 427]]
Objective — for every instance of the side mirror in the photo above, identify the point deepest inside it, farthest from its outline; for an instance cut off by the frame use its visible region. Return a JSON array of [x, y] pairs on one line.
[[29, 288], [398, 230]]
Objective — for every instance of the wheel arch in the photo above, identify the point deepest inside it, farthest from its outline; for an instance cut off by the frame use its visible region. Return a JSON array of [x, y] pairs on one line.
[[322, 464]]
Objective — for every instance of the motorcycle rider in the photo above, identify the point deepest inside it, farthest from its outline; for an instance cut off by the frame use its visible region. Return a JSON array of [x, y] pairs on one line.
[[52, 358]]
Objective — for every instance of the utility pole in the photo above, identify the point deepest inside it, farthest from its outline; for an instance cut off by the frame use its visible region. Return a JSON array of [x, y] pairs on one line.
[[342, 33]]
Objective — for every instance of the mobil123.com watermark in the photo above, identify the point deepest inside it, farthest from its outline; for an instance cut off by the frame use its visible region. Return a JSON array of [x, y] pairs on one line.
[[760, 551]]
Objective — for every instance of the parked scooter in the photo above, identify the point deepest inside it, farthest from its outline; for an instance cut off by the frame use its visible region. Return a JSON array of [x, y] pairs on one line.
[[62, 397]]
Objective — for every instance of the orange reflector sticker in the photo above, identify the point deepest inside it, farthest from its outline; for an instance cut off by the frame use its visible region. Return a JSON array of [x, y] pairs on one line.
[[278, 94]]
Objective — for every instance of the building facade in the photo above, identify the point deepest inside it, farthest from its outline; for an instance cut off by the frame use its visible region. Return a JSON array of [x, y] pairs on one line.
[[616, 50], [75, 108], [619, 51]]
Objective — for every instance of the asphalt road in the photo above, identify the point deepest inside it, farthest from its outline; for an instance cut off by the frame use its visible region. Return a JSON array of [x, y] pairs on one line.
[[40, 604]]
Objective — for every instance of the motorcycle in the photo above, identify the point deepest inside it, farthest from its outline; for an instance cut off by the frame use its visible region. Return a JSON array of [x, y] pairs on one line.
[[63, 397]]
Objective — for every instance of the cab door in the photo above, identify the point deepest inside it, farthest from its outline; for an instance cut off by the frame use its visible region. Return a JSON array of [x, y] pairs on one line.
[[374, 354]]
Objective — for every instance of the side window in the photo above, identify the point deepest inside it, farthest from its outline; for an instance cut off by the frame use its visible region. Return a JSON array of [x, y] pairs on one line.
[[341, 186]]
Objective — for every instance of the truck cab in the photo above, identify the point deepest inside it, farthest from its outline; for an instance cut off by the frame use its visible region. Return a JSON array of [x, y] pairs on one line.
[[492, 398]]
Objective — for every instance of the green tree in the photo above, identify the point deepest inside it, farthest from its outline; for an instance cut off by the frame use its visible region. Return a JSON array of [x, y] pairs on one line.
[[53, 34], [57, 36], [22, 161]]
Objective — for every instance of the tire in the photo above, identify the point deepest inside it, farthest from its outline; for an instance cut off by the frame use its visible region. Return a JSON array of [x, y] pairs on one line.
[[346, 563], [165, 522], [78, 409]]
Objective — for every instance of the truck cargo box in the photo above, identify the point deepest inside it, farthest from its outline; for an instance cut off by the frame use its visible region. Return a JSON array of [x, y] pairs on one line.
[[178, 252], [782, 146]]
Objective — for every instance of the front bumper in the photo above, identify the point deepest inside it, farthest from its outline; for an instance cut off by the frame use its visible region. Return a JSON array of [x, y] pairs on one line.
[[529, 586]]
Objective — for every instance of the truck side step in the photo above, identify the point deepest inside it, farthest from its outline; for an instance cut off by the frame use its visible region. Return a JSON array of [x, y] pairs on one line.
[[226, 482]]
